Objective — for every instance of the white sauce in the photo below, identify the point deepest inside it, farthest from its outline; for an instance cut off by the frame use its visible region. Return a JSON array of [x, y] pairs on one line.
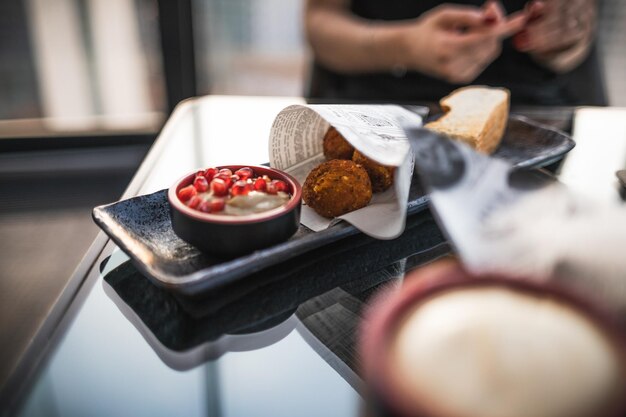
[[254, 202]]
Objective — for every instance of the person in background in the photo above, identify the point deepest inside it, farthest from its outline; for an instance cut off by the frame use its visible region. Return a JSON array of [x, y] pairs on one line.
[[420, 50]]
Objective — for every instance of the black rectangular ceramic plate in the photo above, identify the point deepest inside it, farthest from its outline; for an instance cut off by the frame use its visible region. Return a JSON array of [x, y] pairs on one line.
[[141, 227]]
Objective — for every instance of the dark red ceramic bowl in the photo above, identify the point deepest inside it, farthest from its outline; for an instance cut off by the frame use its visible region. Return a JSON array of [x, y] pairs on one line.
[[226, 235], [385, 318]]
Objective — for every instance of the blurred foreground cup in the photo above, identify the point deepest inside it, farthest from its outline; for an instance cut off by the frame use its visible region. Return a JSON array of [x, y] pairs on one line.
[[448, 344]]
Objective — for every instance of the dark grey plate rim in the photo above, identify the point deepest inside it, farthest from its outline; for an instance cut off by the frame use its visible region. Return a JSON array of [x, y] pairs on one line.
[[224, 273], [557, 152], [230, 270]]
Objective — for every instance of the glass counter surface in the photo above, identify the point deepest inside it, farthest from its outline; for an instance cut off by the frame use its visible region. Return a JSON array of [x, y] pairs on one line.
[[299, 361], [282, 348]]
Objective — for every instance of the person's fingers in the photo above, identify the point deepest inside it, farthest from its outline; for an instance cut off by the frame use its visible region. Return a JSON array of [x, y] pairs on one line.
[[486, 53], [470, 40], [535, 30], [552, 40], [512, 25], [466, 66], [560, 17], [545, 20], [545, 38], [493, 12], [508, 27], [467, 74], [535, 10], [458, 16], [554, 26], [457, 70]]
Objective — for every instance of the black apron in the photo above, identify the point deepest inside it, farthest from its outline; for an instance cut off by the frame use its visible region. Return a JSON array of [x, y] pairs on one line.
[[529, 82]]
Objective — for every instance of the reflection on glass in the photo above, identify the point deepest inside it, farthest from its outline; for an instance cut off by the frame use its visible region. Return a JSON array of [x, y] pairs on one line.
[[330, 322], [257, 365], [249, 47], [257, 311], [186, 332]]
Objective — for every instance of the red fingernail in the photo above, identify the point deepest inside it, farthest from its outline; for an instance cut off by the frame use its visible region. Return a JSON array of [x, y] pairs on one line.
[[534, 17], [535, 11]]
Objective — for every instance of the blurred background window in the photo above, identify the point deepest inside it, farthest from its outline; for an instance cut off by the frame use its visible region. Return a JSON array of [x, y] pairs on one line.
[[98, 65], [79, 66], [250, 47]]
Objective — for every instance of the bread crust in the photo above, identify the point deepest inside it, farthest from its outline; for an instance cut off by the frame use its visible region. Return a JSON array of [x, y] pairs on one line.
[[476, 115]]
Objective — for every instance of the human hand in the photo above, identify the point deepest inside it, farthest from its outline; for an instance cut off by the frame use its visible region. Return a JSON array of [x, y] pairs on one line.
[[456, 43], [558, 31]]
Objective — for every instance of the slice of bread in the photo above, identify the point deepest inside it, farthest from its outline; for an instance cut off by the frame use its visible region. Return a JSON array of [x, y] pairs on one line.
[[476, 115]]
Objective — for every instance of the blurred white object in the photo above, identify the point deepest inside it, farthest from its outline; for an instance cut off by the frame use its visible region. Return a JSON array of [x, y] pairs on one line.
[[489, 351], [600, 136], [521, 224], [559, 235]]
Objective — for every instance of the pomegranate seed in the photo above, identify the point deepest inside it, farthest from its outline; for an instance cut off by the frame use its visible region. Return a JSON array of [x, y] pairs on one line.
[[205, 207], [225, 171], [260, 184], [194, 202], [234, 178], [209, 173], [201, 184], [224, 177], [271, 188], [186, 193], [217, 204], [280, 185], [245, 173], [241, 188], [219, 187]]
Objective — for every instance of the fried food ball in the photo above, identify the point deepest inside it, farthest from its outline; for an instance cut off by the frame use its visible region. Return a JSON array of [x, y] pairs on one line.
[[381, 176], [335, 146], [337, 187]]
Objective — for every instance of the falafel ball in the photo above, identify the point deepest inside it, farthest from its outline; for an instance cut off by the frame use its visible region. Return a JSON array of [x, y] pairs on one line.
[[381, 176], [335, 146], [337, 187]]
